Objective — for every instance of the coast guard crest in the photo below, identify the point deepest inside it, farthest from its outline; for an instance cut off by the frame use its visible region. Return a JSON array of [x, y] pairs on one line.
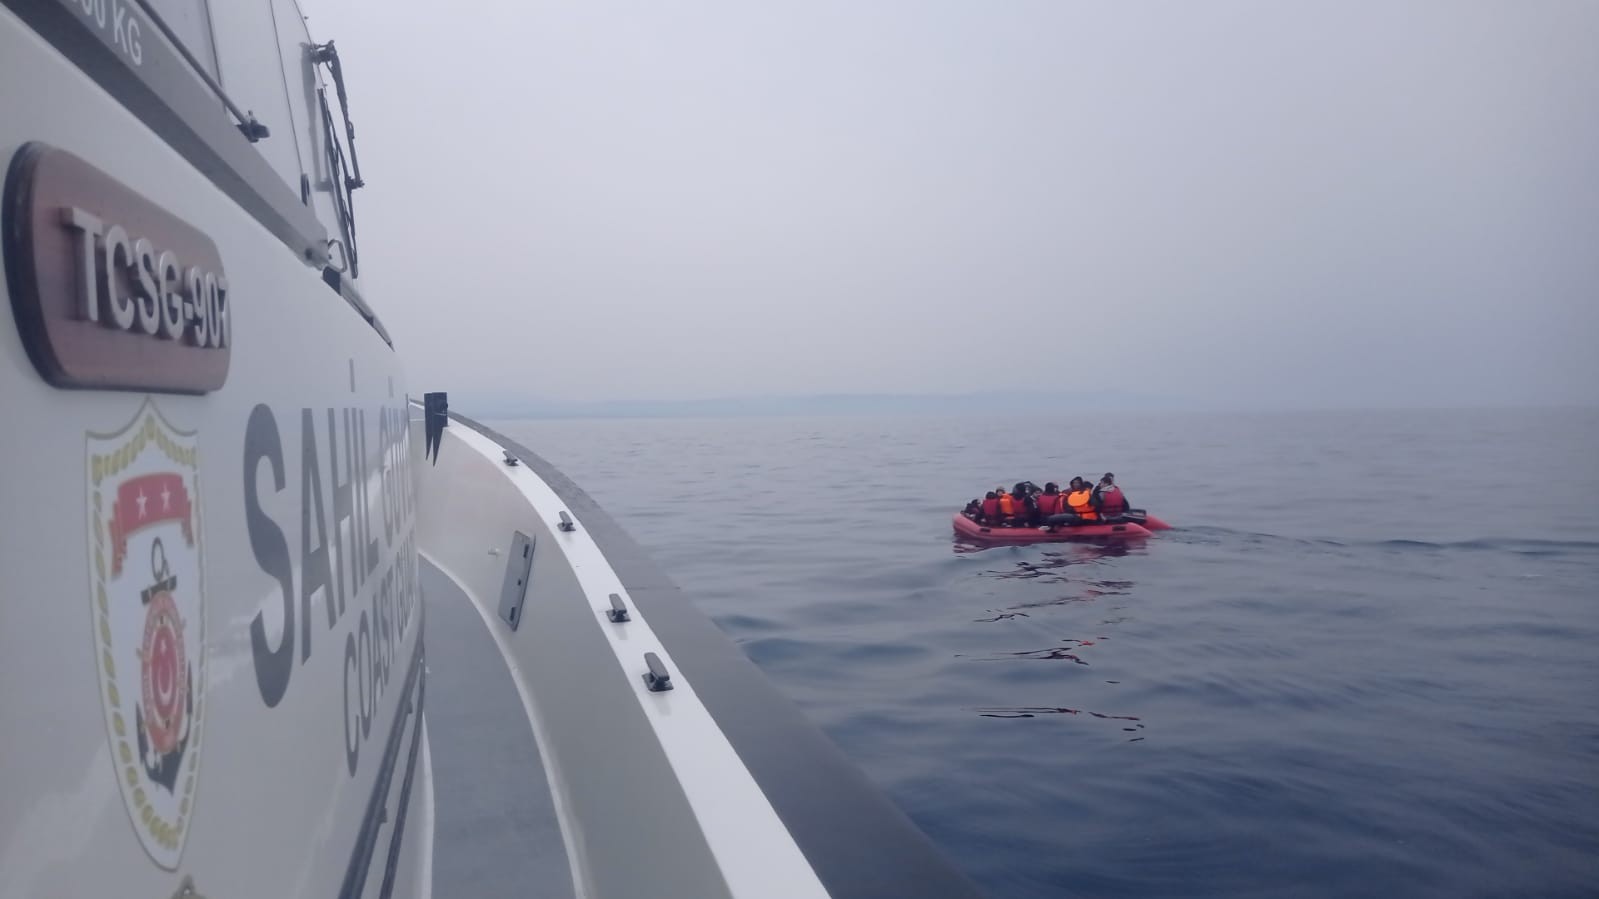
[[149, 620]]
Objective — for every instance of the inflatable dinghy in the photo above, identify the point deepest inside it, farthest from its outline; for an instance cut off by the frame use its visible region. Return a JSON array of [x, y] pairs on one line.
[[982, 533]]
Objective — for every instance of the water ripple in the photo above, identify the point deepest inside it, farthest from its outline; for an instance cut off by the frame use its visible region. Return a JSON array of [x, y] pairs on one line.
[[1337, 677]]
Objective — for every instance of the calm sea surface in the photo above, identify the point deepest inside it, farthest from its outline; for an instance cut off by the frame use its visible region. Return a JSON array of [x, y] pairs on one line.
[[1366, 663]]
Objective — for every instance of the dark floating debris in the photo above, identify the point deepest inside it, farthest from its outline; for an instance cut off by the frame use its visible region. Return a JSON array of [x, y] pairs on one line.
[[1002, 616], [1027, 712], [1034, 711], [1051, 655], [1057, 601], [1067, 651]]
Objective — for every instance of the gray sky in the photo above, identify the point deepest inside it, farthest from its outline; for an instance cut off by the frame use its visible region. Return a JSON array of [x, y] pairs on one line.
[[1233, 203]]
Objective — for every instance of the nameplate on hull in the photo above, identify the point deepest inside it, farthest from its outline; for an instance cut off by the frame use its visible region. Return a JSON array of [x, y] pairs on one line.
[[110, 290]]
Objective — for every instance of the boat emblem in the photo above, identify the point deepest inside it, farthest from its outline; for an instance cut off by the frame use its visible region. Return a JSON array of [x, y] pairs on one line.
[[148, 604]]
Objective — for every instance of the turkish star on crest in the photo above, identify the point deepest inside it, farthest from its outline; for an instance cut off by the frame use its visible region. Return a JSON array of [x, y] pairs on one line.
[[166, 498], [141, 500]]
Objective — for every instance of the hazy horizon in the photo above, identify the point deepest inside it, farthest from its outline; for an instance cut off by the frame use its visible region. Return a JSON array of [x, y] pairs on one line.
[[489, 405], [1233, 204]]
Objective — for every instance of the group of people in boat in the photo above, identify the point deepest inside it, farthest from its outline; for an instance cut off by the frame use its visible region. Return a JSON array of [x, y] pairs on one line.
[[1028, 505]]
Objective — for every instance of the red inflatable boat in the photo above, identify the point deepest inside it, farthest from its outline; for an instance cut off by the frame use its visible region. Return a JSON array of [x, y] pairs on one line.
[[982, 533]]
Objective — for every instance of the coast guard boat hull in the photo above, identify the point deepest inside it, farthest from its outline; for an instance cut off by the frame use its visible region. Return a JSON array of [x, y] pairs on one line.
[[274, 626]]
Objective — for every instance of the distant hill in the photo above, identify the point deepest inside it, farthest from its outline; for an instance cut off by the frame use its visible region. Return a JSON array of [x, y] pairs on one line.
[[872, 404]]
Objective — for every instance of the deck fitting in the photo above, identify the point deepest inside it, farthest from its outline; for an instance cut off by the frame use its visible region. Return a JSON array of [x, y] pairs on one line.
[[617, 612], [657, 679]]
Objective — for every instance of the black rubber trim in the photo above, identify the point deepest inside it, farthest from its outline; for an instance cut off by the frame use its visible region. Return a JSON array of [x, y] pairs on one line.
[[16, 242], [165, 94], [398, 837], [859, 842], [345, 289], [355, 874]]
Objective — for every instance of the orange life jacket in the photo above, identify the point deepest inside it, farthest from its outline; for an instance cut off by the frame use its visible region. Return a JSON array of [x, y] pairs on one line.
[[1081, 502], [1007, 505]]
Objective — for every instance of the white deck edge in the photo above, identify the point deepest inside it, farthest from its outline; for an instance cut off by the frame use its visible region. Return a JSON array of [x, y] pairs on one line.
[[424, 875], [753, 848]]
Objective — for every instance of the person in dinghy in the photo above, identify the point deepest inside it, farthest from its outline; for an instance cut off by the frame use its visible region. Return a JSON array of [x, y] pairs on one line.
[[1014, 508], [1114, 506], [1109, 499], [1079, 506], [1050, 501]]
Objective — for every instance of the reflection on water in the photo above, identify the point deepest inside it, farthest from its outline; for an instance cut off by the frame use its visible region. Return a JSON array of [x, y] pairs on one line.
[[1055, 567], [1067, 650], [1080, 568], [1037, 711], [1002, 616], [1088, 547], [1326, 701]]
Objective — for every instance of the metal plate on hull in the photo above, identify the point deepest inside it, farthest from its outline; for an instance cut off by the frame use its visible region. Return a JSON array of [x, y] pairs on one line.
[[110, 290], [518, 566]]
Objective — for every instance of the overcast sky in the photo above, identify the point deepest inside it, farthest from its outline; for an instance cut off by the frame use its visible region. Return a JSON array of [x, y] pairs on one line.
[[1230, 203]]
